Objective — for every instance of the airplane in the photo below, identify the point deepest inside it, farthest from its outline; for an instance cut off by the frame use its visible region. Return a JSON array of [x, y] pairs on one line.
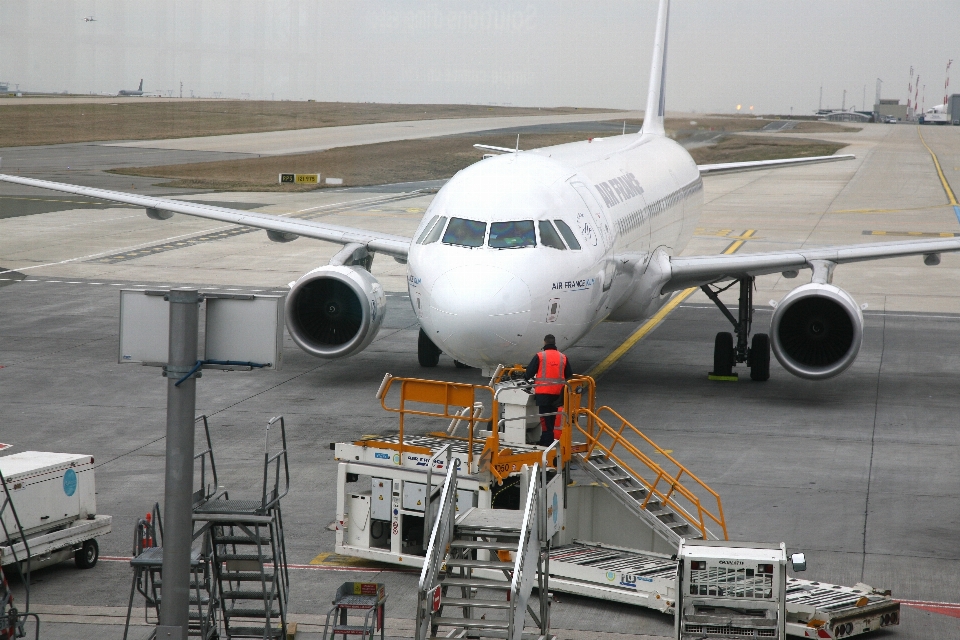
[[132, 92], [557, 240], [89, 19]]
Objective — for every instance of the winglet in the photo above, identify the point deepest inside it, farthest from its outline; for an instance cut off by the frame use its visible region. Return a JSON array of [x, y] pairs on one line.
[[653, 115]]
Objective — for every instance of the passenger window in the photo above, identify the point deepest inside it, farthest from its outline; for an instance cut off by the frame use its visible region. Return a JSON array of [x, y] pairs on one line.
[[437, 230], [427, 229], [466, 233], [567, 234], [549, 237], [512, 235]]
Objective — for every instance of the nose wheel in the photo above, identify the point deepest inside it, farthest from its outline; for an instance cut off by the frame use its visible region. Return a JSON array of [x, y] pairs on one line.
[[727, 354], [428, 354]]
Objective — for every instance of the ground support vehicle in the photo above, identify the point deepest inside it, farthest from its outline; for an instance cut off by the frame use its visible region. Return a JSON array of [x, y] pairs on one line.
[[617, 504], [55, 499]]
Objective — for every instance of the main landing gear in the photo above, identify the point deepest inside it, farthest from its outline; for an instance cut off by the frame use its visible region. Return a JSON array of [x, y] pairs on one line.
[[726, 355]]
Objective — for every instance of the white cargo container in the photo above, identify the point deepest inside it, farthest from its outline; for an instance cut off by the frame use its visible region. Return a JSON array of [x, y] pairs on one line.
[[54, 495]]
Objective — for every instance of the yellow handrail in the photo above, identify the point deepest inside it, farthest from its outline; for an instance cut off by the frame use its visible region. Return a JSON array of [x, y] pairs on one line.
[[598, 428]]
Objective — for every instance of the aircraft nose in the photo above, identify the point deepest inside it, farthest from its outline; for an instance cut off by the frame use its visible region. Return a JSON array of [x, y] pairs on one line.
[[480, 312]]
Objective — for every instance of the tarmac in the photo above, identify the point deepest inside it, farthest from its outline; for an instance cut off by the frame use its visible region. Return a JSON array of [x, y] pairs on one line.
[[860, 472]]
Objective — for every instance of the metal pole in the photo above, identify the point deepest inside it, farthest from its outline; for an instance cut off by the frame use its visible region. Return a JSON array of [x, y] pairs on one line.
[[178, 485]]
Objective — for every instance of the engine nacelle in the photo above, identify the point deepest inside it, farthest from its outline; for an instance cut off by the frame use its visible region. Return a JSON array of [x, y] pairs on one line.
[[335, 311], [816, 331]]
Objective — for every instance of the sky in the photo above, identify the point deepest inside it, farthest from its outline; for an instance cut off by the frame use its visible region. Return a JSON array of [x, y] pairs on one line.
[[773, 55]]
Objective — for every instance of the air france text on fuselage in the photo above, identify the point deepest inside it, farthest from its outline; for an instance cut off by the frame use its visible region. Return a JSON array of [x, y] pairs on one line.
[[619, 189]]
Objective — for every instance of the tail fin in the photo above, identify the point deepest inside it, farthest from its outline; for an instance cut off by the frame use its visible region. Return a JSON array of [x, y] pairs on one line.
[[653, 116], [141, 85]]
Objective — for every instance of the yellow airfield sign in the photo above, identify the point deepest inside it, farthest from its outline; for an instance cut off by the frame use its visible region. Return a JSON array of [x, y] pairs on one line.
[[300, 178]]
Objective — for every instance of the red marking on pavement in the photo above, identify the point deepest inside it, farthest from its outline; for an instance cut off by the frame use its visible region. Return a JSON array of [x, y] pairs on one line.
[[951, 609], [311, 567]]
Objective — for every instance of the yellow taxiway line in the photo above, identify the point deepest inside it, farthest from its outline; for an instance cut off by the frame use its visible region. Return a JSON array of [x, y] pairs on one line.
[[658, 317], [943, 180]]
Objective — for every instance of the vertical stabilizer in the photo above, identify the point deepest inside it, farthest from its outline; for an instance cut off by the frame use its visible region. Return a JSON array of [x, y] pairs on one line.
[[141, 85], [653, 115]]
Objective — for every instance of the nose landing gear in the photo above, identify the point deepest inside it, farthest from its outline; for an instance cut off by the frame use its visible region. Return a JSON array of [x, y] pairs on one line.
[[726, 355]]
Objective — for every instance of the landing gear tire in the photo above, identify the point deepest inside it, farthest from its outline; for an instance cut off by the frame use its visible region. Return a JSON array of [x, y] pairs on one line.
[[460, 365], [723, 354], [760, 357], [87, 555], [428, 354]]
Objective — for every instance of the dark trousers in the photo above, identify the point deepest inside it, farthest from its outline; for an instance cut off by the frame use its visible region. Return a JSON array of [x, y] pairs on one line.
[[548, 404]]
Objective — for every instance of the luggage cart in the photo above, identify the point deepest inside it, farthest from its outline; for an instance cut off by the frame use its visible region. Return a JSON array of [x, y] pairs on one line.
[[359, 597]]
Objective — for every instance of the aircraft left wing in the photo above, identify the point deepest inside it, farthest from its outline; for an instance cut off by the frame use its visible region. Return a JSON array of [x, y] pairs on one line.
[[732, 167], [694, 271], [395, 246]]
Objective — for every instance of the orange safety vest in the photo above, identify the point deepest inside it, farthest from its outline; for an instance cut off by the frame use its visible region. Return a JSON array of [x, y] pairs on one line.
[[549, 380]]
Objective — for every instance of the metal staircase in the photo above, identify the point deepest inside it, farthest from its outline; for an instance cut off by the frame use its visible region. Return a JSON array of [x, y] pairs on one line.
[[481, 568], [246, 537]]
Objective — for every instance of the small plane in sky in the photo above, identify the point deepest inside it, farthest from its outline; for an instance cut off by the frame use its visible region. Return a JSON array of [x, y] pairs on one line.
[[557, 240], [89, 19]]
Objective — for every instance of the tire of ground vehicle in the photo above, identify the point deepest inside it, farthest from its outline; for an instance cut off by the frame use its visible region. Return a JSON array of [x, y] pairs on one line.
[[87, 555]]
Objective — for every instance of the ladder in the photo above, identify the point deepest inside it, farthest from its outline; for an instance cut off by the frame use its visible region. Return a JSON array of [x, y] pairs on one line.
[[249, 555], [12, 621], [481, 568]]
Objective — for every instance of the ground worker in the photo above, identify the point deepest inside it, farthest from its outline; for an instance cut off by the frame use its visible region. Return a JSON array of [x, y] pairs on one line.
[[548, 369]]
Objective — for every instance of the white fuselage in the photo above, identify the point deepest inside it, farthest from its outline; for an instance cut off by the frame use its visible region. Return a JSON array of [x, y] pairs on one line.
[[630, 202]]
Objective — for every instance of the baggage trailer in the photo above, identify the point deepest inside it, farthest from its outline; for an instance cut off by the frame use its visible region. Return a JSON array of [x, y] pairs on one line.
[[54, 495], [617, 537]]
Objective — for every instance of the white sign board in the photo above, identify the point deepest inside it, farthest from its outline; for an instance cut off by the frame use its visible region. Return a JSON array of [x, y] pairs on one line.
[[144, 328], [245, 330]]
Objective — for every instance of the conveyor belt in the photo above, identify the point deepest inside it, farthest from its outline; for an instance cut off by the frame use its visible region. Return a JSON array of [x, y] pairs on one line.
[[612, 559]]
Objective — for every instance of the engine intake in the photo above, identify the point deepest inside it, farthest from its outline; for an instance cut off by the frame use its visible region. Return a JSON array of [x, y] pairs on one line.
[[335, 311], [816, 331]]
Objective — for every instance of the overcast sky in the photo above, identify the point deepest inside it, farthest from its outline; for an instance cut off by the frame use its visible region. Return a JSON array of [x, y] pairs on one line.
[[771, 54]]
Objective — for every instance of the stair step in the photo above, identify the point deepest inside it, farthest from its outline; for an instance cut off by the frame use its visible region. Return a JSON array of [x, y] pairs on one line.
[[250, 612], [254, 557], [485, 544], [246, 576], [479, 583], [475, 602], [478, 564], [677, 525], [500, 532], [264, 540], [247, 595], [470, 623], [350, 630], [255, 632]]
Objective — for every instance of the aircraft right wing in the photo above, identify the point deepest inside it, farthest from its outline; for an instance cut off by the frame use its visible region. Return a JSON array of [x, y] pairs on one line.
[[287, 228], [694, 271], [732, 167]]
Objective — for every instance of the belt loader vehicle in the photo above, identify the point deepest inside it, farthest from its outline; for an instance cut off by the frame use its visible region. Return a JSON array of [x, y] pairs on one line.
[[618, 505]]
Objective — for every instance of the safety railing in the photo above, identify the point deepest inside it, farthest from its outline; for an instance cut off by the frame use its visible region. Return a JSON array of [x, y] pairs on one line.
[[622, 444], [440, 538], [453, 397], [526, 564]]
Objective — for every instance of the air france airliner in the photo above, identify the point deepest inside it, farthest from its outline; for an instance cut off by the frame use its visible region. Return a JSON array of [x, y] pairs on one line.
[[556, 240]]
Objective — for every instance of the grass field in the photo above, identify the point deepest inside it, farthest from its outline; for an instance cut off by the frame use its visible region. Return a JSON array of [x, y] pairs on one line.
[[126, 119], [431, 159]]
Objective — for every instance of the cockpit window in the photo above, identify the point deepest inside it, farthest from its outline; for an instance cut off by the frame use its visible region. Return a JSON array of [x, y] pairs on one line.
[[549, 237], [512, 235], [466, 233], [434, 235], [567, 234], [426, 229]]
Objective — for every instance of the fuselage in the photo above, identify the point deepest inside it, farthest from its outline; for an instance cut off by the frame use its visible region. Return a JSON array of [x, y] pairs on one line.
[[554, 240]]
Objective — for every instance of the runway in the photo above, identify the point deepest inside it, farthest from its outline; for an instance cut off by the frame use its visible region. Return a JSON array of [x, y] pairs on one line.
[[860, 472]]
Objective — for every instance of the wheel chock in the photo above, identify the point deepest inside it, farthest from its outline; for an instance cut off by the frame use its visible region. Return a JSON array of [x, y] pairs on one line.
[[716, 378]]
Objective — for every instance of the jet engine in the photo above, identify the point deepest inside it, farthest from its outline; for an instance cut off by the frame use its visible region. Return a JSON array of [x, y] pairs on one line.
[[816, 331], [335, 311]]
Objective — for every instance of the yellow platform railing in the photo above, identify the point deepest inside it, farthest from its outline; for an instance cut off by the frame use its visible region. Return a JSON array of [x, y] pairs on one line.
[[664, 477]]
